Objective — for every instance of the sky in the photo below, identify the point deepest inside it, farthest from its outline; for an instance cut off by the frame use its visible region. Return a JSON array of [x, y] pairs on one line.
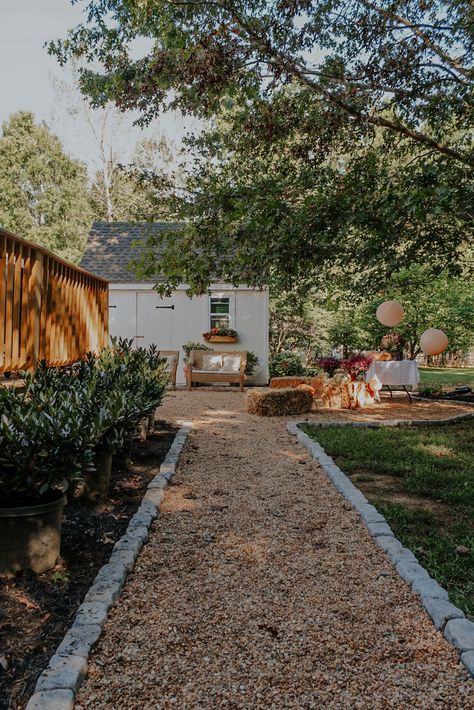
[[28, 76]]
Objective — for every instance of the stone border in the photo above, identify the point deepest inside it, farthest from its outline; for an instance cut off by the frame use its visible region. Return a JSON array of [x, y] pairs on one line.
[[446, 617], [56, 687]]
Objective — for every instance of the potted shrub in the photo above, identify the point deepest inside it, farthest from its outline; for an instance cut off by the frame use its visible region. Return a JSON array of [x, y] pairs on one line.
[[45, 448], [251, 364], [139, 376], [220, 335]]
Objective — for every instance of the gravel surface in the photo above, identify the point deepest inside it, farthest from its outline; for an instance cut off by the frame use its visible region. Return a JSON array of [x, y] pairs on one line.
[[260, 588]]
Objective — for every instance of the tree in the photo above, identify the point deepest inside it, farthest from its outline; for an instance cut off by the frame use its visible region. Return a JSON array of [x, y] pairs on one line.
[[297, 323], [309, 203], [358, 59], [123, 153], [429, 301], [331, 152], [43, 191], [121, 193]]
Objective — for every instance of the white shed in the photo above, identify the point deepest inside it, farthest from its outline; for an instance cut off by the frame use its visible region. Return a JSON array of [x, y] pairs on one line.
[[137, 311]]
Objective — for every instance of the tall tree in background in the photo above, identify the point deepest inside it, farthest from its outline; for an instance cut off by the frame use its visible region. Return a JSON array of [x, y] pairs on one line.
[[43, 191], [123, 193], [119, 153], [429, 301]]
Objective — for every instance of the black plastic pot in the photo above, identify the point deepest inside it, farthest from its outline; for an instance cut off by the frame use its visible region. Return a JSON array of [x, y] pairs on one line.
[[30, 536], [98, 482]]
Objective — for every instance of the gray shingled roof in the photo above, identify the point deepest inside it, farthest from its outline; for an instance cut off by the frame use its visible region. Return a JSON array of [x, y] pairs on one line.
[[110, 249]]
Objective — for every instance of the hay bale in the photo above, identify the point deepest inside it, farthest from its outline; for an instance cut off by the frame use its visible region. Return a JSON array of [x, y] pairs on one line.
[[307, 388], [285, 382], [278, 402], [336, 395], [317, 383]]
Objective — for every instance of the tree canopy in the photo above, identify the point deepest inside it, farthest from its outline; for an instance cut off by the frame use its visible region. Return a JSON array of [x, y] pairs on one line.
[[429, 301], [338, 139], [43, 191], [404, 66]]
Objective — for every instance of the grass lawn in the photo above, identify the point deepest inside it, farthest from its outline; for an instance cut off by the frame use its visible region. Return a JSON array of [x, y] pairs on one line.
[[422, 480], [449, 376]]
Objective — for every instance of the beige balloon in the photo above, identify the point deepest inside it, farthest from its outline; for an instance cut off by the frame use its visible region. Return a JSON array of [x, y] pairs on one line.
[[433, 341], [390, 313]]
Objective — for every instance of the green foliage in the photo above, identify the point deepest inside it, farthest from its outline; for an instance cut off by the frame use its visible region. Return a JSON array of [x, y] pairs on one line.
[[187, 347], [297, 321], [430, 390], [45, 444], [286, 364], [251, 364], [430, 301], [43, 191], [127, 193], [405, 69], [333, 140], [49, 434]]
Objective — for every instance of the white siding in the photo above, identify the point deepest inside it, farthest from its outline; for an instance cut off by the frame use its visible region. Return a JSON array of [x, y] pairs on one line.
[[135, 311]]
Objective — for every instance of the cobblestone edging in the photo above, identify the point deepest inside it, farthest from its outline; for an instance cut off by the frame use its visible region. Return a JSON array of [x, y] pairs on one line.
[[57, 685], [446, 617]]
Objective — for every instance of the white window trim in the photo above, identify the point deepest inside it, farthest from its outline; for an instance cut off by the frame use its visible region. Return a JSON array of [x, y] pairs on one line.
[[232, 308]]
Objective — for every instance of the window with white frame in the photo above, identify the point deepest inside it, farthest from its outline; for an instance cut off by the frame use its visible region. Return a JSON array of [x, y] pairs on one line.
[[219, 311]]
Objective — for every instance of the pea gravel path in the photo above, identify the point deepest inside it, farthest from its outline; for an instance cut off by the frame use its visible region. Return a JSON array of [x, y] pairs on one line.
[[260, 588]]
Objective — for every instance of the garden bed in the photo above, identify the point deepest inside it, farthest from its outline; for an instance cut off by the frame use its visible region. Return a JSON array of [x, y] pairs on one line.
[[422, 481], [452, 397], [37, 610]]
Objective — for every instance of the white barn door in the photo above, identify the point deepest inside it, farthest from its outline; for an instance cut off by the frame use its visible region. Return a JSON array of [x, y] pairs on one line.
[[122, 314], [154, 321]]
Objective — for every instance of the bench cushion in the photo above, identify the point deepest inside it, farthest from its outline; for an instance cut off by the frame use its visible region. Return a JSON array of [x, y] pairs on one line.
[[231, 363], [211, 363]]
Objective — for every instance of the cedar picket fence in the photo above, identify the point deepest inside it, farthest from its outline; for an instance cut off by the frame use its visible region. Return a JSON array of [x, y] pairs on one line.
[[49, 308]]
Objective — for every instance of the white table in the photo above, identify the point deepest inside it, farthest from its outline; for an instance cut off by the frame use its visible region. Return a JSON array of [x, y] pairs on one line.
[[393, 373]]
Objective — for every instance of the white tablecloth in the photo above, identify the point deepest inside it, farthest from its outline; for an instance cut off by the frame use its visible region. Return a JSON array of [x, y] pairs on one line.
[[394, 372]]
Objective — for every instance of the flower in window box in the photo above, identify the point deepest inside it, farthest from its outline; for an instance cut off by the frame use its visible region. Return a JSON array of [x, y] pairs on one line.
[[221, 332]]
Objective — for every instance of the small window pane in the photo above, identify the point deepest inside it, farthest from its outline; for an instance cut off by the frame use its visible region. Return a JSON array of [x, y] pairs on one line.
[[220, 305], [218, 321]]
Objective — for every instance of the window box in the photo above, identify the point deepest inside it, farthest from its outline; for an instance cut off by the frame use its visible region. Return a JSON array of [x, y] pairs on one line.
[[222, 339]]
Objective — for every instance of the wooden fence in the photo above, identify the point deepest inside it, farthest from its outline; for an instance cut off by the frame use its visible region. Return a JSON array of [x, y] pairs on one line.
[[49, 309]]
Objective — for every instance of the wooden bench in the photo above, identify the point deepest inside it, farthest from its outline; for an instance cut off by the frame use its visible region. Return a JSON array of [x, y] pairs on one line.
[[172, 360], [202, 367]]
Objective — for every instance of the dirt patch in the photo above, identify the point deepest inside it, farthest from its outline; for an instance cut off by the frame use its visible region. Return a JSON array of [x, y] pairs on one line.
[[37, 610], [390, 489]]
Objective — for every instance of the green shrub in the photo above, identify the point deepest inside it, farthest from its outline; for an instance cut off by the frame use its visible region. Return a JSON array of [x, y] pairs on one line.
[[187, 347], [50, 433], [46, 444], [252, 362], [430, 391], [286, 364]]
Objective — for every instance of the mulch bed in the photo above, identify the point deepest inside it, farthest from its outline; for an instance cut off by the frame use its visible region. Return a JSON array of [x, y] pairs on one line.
[[454, 397], [36, 611]]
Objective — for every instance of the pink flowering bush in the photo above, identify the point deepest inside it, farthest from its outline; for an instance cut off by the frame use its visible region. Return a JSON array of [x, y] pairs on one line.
[[329, 364], [356, 366]]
